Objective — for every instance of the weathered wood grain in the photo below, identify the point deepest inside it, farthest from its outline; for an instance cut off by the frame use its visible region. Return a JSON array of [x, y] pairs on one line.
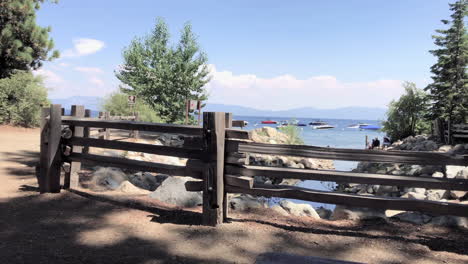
[[194, 186], [239, 181], [407, 157], [213, 193], [138, 165], [135, 125], [138, 147], [350, 177], [292, 192]]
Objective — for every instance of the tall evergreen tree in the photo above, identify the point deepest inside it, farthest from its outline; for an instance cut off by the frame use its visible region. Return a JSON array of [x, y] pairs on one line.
[[162, 75], [23, 44], [448, 91]]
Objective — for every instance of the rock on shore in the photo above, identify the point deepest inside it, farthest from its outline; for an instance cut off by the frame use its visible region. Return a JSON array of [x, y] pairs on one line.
[[417, 143]]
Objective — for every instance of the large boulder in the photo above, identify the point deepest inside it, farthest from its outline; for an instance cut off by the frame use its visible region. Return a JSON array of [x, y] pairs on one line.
[[108, 178], [147, 180], [413, 217], [452, 221], [299, 209], [129, 188], [353, 213], [454, 171], [172, 191], [245, 202]]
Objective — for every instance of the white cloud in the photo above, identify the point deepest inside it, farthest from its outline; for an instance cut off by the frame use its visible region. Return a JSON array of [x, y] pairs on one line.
[[63, 64], [286, 91], [96, 81], [89, 70], [83, 46], [49, 76]]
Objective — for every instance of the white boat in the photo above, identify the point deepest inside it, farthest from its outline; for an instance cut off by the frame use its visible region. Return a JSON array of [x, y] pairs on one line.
[[327, 126], [359, 125]]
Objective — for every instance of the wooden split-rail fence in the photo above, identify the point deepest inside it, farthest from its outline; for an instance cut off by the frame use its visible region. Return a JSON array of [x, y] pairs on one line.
[[218, 161]]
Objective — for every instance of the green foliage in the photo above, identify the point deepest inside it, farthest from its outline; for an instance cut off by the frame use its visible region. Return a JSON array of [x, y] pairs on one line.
[[117, 104], [405, 117], [23, 44], [165, 76], [21, 97], [449, 90], [293, 133]]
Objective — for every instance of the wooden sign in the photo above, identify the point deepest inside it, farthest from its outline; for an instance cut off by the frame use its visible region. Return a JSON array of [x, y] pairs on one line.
[[131, 99], [193, 105]]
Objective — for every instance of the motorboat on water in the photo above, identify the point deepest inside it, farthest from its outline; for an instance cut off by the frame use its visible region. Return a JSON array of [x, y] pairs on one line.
[[320, 125], [359, 125], [301, 124], [327, 126], [269, 122]]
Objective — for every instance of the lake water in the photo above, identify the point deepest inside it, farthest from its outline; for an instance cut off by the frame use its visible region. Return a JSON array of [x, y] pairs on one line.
[[339, 137]]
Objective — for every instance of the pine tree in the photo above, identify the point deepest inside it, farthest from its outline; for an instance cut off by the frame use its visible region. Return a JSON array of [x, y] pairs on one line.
[[23, 44], [162, 75], [448, 91]]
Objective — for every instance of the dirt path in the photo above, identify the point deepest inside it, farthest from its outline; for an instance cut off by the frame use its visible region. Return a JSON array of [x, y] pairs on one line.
[[84, 228]]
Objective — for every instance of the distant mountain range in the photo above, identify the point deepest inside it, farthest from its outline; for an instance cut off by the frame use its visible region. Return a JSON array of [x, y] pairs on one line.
[[355, 112], [360, 113]]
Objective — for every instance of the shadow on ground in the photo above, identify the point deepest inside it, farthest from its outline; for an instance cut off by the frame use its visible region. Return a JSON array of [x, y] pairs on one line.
[[24, 163], [79, 227]]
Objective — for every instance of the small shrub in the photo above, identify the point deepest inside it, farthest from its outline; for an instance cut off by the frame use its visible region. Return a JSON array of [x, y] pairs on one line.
[[117, 104], [293, 133], [21, 97]]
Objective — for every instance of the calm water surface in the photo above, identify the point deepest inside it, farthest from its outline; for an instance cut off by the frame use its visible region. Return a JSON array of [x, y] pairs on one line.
[[339, 137]]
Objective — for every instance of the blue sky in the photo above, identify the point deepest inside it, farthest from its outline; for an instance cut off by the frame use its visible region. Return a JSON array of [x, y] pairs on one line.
[[265, 54]]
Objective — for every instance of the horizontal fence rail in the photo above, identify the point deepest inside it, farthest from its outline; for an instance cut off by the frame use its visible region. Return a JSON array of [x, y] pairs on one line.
[[407, 157], [350, 177], [137, 165], [405, 204], [135, 125], [137, 147]]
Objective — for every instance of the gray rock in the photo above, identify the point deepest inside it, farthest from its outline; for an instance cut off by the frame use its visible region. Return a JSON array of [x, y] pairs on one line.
[[172, 191], [454, 171], [452, 221], [462, 174], [128, 187], [246, 202], [108, 177], [413, 217], [279, 210], [353, 213], [324, 213], [415, 195], [436, 195], [299, 209], [146, 180]]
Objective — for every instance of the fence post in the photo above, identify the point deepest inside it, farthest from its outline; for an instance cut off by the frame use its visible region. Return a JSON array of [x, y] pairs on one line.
[[50, 156], [42, 174], [107, 130], [213, 192], [136, 133], [71, 177], [86, 130], [228, 123]]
